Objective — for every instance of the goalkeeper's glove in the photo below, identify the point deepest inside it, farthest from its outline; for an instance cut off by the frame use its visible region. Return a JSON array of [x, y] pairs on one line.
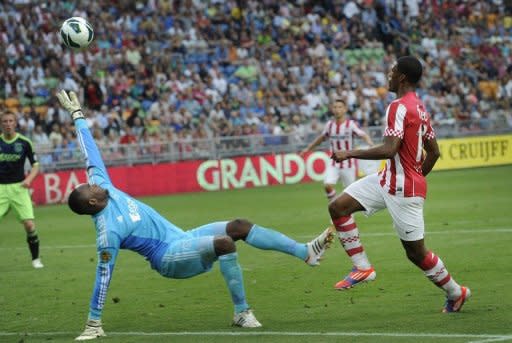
[[92, 330], [71, 104]]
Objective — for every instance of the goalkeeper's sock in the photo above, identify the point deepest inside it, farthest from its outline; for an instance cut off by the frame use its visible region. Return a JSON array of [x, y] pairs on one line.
[[434, 269], [232, 274], [33, 243], [268, 239]]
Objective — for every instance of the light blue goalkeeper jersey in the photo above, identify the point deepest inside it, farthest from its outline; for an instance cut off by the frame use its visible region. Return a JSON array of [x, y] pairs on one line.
[[124, 223]]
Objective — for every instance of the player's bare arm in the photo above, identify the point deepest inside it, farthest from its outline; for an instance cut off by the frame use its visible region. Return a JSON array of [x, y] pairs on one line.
[[31, 176], [386, 150], [433, 154], [318, 140], [368, 140]]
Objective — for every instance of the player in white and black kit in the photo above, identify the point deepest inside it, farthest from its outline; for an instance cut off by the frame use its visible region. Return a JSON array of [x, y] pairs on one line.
[[340, 131]]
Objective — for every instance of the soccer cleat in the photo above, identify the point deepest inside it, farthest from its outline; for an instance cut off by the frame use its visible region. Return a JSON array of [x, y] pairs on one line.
[[37, 263], [456, 304], [317, 246], [355, 277], [246, 319], [91, 332]]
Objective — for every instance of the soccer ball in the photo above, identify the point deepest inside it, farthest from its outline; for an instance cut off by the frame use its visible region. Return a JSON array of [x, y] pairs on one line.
[[76, 33]]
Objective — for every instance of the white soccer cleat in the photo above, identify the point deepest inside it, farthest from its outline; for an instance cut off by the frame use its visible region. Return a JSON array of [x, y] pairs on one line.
[[246, 319], [37, 263], [91, 332], [316, 248]]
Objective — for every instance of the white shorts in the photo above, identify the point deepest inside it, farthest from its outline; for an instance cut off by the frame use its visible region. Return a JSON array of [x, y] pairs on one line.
[[407, 212], [334, 173]]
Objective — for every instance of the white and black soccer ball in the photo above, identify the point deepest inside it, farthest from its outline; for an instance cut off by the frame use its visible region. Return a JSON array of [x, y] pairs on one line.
[[76, 33]]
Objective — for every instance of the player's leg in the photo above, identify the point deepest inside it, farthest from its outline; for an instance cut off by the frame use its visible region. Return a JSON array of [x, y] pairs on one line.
[[269, 239], [435, 270], [331, 177], [22, 206], [195, 255], [407, 214], [230, 268], [330, 191], [33, 242], [347, 176], [363, 195], [4, 201]]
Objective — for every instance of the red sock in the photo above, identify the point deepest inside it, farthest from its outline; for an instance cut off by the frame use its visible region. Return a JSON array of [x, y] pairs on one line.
[[434, 269], [348, 234], [330, 195]]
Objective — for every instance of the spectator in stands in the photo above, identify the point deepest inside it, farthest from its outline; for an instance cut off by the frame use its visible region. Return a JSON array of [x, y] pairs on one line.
[[93, 95], [130, 68]]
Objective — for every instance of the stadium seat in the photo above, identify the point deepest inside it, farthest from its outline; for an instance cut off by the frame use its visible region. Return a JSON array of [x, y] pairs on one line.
[[489, 88], [12, 103], [146, 104], [366, 53], [25, 101], [41, 110], [350, 58], [379, 52], [39, 100], [126, 114], [43, 92], [51, 82]]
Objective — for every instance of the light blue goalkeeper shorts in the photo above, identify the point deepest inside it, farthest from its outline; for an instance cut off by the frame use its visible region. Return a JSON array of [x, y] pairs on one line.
[[194, 254]]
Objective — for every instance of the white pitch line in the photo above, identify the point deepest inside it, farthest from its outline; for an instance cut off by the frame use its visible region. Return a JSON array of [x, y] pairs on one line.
[[368, 234], [481, 337], [498, 339], [500, 230]]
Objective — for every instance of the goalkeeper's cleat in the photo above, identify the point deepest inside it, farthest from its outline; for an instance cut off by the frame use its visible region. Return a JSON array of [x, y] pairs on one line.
[[36, 263], [246, 319], [316, 248], [456, 304], [91, 332], [355, 277]]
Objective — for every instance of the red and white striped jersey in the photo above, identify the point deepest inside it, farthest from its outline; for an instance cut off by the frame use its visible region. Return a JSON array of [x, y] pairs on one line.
[[408, 119], [341, 137]]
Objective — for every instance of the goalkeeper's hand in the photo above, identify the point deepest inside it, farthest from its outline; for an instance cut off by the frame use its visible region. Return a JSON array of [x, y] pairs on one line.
[[71, 104], [92, 330]]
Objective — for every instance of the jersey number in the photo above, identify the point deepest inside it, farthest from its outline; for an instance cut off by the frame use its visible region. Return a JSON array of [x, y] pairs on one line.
[[421, 131]]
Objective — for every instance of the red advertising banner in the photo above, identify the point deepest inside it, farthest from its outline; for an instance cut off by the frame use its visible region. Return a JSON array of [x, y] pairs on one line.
[[190, 176]]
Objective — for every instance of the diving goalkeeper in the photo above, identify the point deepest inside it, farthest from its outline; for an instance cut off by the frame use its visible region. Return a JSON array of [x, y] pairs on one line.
[[123, 222]]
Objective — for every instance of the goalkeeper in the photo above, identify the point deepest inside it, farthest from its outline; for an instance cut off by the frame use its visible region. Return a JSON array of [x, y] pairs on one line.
[[123, 222]]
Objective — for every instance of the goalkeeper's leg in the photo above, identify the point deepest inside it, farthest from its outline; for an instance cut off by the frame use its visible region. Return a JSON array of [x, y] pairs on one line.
[[230, 268], [92, 330], [269, 239]]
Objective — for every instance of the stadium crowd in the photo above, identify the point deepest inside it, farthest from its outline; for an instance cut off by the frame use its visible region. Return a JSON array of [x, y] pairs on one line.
[[164, 71]]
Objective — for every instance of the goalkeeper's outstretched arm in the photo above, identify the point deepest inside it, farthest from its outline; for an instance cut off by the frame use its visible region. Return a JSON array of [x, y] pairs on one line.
[[95, 166]]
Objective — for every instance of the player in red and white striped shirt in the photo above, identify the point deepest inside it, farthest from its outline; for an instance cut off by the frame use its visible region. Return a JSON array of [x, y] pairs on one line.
[[340, 132], [401, 187]]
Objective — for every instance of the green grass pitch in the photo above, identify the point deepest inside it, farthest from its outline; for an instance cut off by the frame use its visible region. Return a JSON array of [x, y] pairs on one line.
[[468, 222]]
